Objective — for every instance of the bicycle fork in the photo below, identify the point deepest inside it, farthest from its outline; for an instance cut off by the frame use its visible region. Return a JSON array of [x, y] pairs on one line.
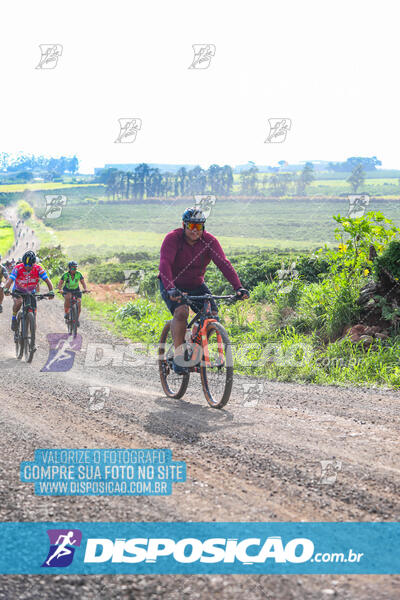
[[204, 349]]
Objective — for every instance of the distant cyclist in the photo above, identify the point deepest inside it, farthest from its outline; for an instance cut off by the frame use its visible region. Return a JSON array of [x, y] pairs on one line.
[[26, 276], [3, 275], [184, 257], [70, 283]]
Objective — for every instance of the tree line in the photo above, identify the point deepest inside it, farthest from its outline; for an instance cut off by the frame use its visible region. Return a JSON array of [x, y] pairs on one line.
[[26, 166], [149, 182]]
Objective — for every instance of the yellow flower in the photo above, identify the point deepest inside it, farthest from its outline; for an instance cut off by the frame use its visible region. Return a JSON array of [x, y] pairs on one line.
[[342, 247], [366, 272]]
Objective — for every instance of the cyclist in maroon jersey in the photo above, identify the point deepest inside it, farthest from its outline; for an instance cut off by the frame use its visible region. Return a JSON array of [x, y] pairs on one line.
[[185, 254]]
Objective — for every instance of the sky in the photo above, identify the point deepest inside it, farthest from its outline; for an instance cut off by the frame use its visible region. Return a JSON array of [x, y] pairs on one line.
[[329, 67]]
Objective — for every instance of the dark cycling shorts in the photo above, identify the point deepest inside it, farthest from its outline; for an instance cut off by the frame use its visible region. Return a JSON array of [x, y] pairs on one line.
[[199, 291], [31, 300], [76, 293]]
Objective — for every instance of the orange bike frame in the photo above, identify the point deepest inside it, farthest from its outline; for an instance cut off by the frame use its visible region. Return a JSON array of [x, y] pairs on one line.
[[204, 343]]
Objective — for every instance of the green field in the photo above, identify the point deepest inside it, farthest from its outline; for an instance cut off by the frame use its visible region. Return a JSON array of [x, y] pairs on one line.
[[6, 237], [35, 187], [86, 241], [90, 223], [326, 184], [270, 223]]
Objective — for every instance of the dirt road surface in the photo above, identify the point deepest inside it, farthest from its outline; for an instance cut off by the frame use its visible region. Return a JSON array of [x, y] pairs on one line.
[[24, 237], [244, 463]]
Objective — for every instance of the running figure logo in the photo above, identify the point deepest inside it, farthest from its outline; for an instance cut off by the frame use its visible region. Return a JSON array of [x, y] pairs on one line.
[[357, 205], [329, 471], [286, 277], [205, 203], [278, 129], [128, 130], [98, 397], [50, 55], [252, 393], [61, 551], [61, 352], [54, 206], [203, 54]]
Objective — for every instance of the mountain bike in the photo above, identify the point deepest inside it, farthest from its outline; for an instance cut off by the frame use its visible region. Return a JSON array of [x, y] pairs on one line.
[[25, 335], [73, 314], [207, 351]]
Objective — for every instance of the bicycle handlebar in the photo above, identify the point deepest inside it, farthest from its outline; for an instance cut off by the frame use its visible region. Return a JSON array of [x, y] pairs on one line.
[[37, 296], [209, 296], [82, 291], [187, 299]]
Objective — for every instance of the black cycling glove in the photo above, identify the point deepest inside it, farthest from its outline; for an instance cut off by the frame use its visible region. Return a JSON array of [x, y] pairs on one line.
[[174, 293], [242, 293]]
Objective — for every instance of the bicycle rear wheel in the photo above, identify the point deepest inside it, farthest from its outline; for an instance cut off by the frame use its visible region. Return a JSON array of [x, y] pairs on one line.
[[74, 320], [68, 323], [217, 373], [29, 339], [19, 341], [174, 385]]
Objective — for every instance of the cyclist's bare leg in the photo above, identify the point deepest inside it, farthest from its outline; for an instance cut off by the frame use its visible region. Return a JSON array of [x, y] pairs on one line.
[[17, 305], [67, 300], [79, 307], [178, 328]]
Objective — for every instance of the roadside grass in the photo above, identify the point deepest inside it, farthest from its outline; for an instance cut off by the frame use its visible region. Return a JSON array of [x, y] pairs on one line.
[[140, 321], [6, 236], [262, 351], [46, 235]]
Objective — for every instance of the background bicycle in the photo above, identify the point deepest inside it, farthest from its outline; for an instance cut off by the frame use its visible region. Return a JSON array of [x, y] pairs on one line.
[[73, 314]]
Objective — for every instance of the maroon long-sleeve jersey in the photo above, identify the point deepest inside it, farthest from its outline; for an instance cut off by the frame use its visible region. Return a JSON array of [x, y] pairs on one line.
[[183, 265]]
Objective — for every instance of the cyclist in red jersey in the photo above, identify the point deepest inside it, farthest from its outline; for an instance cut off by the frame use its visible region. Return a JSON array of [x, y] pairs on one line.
[[184, 257], [25, 276]]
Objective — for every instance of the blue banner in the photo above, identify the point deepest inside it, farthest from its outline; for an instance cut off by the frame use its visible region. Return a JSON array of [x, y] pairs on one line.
[[231, 548], [103, 472]]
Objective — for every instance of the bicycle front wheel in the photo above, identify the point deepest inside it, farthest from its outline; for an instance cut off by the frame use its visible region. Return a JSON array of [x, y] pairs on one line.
[[174, 385], [216, 370], [29, 339], [19, 340]]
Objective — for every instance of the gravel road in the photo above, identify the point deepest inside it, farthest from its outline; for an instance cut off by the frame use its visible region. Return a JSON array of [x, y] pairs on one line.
[[244, 463], [25, 238]]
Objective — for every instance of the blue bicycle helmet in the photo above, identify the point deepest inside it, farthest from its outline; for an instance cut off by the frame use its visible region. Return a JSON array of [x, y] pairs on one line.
[[193, 215]]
